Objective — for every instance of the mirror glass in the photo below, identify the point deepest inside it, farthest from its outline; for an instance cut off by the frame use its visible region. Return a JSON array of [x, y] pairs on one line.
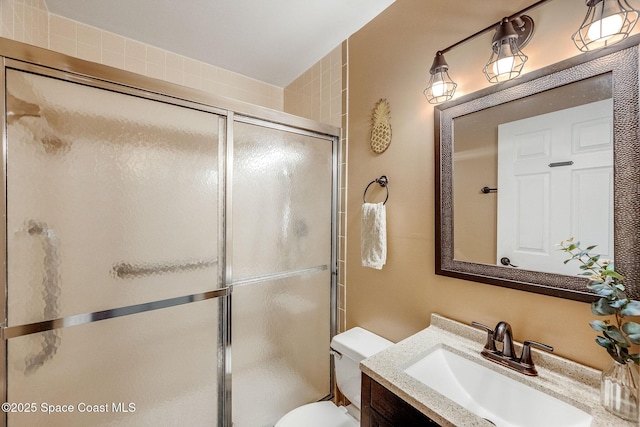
[[525, 174], [530, 162]]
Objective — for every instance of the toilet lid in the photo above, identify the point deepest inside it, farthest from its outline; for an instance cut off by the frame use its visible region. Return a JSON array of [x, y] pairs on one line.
[[318, 414]]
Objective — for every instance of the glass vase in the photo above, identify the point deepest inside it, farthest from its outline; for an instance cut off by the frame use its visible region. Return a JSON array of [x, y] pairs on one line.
[[619, 390]]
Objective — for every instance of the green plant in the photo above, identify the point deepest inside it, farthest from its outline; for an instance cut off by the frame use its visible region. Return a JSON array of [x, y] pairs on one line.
[[607, 283]]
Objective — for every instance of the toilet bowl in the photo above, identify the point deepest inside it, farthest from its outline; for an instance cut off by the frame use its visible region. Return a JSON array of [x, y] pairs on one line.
[[349, 349], [318, 414]]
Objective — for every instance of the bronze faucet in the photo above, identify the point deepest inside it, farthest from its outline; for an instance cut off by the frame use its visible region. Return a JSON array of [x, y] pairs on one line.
[[507, 356], [503, 334]]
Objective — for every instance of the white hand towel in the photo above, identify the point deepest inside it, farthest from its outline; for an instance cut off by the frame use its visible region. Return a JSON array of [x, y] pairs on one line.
[[373, 235]]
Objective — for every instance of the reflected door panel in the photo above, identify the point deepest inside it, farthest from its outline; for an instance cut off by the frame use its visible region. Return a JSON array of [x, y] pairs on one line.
[[555, 181]]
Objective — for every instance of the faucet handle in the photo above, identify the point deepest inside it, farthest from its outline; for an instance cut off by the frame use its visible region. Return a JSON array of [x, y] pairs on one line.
[[526, 351], [490, 345]]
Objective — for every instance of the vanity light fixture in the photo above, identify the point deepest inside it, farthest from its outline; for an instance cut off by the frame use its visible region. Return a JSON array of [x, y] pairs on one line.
[[607, 22], [507, 60], [440, 88]]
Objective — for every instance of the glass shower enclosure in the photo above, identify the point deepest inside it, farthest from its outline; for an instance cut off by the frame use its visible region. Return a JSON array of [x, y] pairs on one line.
[[170, 257]]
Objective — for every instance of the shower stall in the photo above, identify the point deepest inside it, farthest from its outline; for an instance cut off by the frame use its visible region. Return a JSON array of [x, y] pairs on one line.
[[170, 256]]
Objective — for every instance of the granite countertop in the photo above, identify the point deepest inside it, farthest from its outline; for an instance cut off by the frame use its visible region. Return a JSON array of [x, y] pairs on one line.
[[566, 380]]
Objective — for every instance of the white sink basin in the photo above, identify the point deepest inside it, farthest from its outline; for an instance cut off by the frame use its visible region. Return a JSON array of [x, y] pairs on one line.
[[493, 396]]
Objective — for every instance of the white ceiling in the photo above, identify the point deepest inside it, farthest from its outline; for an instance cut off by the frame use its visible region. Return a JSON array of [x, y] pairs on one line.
[[269, 40]]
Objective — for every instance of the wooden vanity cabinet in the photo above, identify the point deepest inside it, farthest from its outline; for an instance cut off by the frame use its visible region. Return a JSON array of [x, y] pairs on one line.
[[382, 408]]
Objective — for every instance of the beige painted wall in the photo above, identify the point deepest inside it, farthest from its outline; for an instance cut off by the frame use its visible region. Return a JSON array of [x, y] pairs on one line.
[[390, 58]]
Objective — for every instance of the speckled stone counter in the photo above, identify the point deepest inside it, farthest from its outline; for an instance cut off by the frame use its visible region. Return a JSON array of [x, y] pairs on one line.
[[568, 381]]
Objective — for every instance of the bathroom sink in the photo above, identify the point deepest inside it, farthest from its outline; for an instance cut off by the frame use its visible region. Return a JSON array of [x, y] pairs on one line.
[[491, 395]]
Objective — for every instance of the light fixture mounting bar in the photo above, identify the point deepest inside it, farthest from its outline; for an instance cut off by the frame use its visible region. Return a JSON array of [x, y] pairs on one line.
[[494, 25]]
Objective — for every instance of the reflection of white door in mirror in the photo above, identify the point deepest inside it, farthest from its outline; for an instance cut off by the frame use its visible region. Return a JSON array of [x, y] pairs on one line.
[[555, 181]]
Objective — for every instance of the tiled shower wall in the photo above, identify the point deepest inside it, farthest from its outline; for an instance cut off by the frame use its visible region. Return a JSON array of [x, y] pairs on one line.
[[29, 21], [319, 94]]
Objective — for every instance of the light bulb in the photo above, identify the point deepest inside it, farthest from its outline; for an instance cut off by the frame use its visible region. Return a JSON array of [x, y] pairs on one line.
[[605, 28], [438, 87], [503, 66]]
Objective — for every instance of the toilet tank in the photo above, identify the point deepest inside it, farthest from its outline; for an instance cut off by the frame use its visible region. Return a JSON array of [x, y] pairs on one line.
[[354, 345]]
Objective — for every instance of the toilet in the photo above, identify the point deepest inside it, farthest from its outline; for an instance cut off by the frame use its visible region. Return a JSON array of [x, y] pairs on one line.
[[349, 349]]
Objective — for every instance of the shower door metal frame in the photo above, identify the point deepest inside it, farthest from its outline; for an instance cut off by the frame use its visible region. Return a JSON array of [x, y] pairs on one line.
[[36, 60], [4, 249], [221, 291]]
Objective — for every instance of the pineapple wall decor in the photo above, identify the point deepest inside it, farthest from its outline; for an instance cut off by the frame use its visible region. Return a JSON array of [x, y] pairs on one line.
[[380, 127]]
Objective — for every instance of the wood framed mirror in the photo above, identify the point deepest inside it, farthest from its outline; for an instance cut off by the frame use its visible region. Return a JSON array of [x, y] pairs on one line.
[[602, 204]]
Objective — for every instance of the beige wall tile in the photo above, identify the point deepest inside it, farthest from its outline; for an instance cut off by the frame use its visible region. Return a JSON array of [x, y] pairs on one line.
[[63, 44], [135, 50], [193, 73], [156, 71], [175, 75], [325, 112], [191, 66], [113, 59], [63, 35], [89, 43], [276, 92], [89, 35], [89, 53], [175, 68], [62, 27], [193, 81], [175, 61], [210, 72], [41, 28], [113, 43], [18, 22], [156, 56], [135, 65], [29, 24], [6, 27], [312, 94], [226, 90], [211, 85]]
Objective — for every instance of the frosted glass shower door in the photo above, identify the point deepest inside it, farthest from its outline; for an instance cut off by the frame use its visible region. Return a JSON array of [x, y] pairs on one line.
[[282, 255], [112, 213]]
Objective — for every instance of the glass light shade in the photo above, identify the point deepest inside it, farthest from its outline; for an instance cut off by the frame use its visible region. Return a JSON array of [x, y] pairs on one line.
[[605, 28], [506, 61], [441, 87], [438, 87], [606, 22], [503, 65]]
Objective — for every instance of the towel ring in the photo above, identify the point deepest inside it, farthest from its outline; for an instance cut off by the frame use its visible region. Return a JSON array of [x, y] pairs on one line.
[[383, 182]]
